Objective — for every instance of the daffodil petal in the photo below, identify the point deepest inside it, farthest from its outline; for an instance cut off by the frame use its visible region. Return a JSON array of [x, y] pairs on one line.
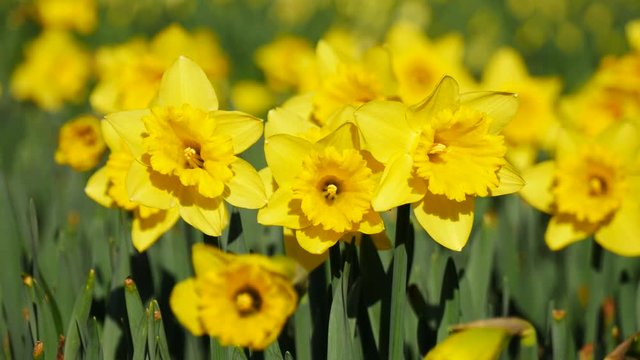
[[397, 186], [445, 95], [620, 235], [510, 181], [111, 136], [243, 129], [279, 211], [371, 223], [538, 182], [186, 83], [146, 230], [448, 222], [474, 343], [501, 107], [96, 188], [328, 60], [205, 214], [129, 125], [316, 240], [284, 121], [246, 189], [563, 231], [622, 138], [267, 181], [284, 154], [206, 258], [293, 250], [385, 129], [184, 304], [149, 188], [344, 137]]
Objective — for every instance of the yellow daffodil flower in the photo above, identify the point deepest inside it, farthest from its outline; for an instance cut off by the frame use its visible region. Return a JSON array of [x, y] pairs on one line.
[[633, 34], [252, 97], [535, 121], [80, 143], [78, 15], [419, 63], [328, 197], [185, 151], [107, 187], [288, 63], [129, 74], [439, 155], [55, 69], [242, 300], [591, 188]]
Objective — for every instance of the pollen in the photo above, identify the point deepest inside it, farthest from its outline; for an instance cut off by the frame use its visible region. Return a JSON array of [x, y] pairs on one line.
[[437, 148], [597, 186], [330, 192], [247, 302], [193, 158]]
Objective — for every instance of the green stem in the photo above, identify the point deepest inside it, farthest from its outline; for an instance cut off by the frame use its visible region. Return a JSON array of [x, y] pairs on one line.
[[399, 283]]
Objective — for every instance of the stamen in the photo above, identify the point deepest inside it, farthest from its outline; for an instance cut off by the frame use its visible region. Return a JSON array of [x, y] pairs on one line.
[[193, 158], [437, 148], [597, 186], [247, 302], [330, 191]]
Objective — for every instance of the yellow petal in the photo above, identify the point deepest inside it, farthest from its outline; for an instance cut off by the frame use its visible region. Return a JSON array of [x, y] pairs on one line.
[[205, 214], [328, 60], [474, 343], [445, 95], [284, 154], [385, 129], [146, 230], [280, 211], [96, 188], [505, 67], [186, 83], [184, 304], [448, 222], [243, 129], [510, 181], [206, 258], [308, 260], [371, 223], [316, 240], [111, 136], [620, 236], [538, 182], [246, 189], [621, 137], [501, 107], [563, 230], [129, 125], [344, 137], [284, 121], [397, 186], [149, 188], [267, 181]]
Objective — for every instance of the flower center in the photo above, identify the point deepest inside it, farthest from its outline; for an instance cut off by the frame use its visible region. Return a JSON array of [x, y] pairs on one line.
[[597, 186], [330, 191], [194, 160], [247, 301]]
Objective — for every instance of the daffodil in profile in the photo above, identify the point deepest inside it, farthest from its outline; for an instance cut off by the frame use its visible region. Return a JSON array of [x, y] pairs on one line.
[[591, 188], [439, 155], [242, 300], [186, 151], [107, 187], [324, 188]]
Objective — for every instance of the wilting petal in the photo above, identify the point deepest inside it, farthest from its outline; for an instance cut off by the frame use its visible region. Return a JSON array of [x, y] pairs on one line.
[[397, 185], [620, 236], [385, 129], [206, 258], [146, 230], [448, 222], [564, 230], [446, 95], [246, 189], [292, 249], [280, 211], [205, 214], [284, 155], [129, 125], [510, 181], [97, 186], [243, 129], [501, 107], [184, 303], [186, 83], [538, 182], [316, 240], [149, 188]]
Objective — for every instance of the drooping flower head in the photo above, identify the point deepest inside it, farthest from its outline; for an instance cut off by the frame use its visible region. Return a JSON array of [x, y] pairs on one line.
[[242, 300], [592, 188], [329, 197], [107, 187], [80, 143], [185, 151], [439, 155], [55, 70]]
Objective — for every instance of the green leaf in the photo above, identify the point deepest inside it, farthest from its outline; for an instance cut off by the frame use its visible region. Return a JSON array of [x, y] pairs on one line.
[[79, 318], [138, 325], [303, 328], [404, 233]]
